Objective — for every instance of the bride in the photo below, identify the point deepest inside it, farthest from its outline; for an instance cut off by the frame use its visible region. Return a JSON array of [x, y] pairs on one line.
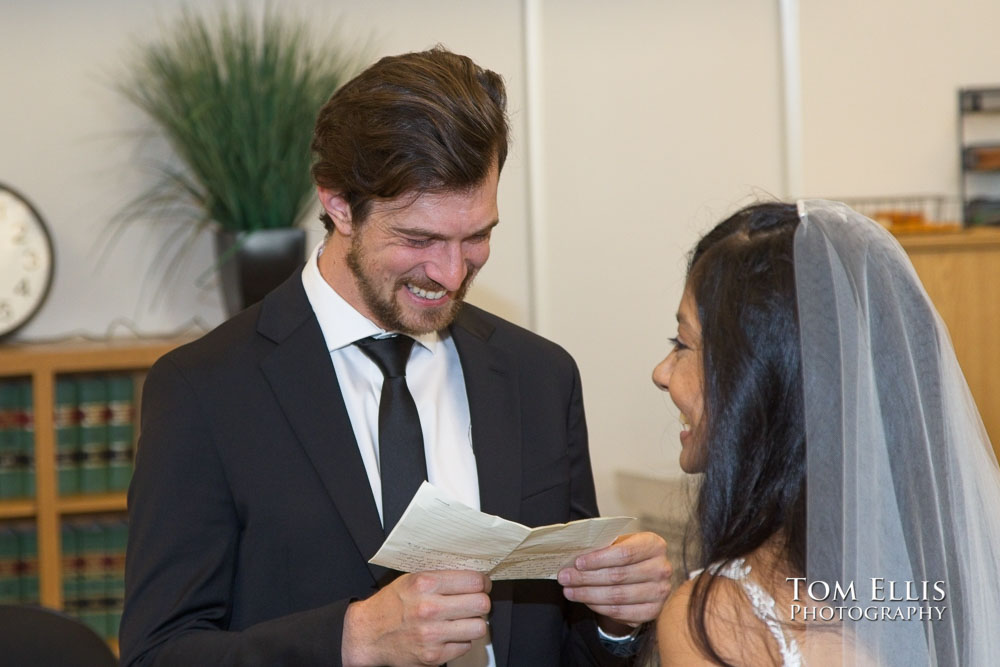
[[849, 509]]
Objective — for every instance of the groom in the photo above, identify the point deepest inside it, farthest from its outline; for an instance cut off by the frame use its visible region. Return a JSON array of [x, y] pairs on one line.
[[271, 466]]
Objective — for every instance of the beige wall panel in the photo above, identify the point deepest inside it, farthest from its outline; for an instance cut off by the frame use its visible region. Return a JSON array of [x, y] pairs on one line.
[[658, 118]]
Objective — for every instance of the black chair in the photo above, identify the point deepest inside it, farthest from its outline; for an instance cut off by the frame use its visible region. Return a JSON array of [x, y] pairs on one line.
[[40, 637]]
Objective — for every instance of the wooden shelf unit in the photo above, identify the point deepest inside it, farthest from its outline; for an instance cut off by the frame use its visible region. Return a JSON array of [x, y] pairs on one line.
[[961, 273], [42, 364]]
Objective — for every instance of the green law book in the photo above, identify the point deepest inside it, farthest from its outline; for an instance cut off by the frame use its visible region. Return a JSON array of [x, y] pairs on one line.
[[121, 430], [116, 534], [67, 434], [92, 391], [71, 565], [27, 547], [26, 448], [92, 606], [10, 581], [10, 403]]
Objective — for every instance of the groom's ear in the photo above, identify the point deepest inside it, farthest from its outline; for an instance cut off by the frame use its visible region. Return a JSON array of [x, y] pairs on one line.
[[339, 210]]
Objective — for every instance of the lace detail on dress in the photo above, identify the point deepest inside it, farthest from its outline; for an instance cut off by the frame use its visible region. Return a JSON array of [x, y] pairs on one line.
[[763, 607]]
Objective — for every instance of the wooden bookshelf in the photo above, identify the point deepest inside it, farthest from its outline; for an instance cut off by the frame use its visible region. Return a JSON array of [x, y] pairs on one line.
[[90, 503], [42, 364], [18, 508], [961, 273]]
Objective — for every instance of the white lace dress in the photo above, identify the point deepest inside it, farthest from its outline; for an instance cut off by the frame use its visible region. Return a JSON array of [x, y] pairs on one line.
[[763, 607]]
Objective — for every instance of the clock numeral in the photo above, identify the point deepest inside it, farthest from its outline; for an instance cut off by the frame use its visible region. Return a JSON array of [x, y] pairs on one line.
[[6, 312], [19, 233], [22, 288], [30, 261]]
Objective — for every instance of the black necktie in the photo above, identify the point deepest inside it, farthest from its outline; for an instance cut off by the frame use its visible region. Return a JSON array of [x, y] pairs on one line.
[[400, 441]]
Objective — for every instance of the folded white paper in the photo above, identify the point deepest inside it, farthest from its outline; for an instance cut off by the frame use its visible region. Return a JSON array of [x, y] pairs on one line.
[[438, 533]]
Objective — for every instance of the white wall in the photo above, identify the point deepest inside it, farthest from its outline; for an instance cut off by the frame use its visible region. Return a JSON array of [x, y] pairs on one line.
[[880, 82], [654, 120], [658, 118], [65, 143]]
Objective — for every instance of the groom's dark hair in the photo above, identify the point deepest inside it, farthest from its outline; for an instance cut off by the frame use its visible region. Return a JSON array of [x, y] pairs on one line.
[[432, 121]]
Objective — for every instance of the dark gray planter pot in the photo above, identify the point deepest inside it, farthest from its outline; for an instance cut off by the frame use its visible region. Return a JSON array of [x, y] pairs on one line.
[[251, 264]]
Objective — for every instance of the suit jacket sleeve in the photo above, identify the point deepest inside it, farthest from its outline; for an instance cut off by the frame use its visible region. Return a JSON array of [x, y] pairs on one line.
[[582, 644], [181, 553]]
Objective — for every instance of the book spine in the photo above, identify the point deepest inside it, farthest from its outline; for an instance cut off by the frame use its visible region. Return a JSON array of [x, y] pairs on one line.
[[10, 478], [27, 543], [93, 610], [117, 539], [67, 431], [10, 581], [93, 394], [26, 445], [121, 430], [71, 566]]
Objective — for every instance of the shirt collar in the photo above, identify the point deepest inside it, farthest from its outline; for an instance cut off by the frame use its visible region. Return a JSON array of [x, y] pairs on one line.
[[339, 321]]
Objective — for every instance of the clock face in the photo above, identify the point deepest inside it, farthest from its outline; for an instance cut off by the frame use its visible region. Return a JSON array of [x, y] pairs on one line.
[[26, 261]]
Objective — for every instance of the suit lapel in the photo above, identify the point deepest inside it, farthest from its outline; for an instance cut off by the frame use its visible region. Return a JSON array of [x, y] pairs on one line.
[[494, 408], [301, 374]]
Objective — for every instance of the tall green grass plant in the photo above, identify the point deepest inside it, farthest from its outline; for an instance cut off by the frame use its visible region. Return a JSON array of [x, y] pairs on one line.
[[235, 97]]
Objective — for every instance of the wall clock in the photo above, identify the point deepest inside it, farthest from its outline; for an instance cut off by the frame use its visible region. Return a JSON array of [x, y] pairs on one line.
[[27, 261]]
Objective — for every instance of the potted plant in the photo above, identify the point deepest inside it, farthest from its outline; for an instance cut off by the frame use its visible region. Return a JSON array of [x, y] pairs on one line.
[[235, 98]]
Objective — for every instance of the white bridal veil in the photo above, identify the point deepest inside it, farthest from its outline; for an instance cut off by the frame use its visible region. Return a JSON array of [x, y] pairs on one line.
[[903, 486]]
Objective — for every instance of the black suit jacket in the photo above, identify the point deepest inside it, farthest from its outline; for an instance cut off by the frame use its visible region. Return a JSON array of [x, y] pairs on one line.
[[251, 516]]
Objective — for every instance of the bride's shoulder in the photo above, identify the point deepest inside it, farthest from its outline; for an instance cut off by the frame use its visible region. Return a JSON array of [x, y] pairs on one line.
[[673, 632], [735, 633]]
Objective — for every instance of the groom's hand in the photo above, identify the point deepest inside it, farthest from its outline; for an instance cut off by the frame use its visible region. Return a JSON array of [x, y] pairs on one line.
[[626, 583], [424, 618]]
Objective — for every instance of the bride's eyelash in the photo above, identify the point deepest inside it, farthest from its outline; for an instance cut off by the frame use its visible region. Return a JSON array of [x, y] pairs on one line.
[[676, 342]]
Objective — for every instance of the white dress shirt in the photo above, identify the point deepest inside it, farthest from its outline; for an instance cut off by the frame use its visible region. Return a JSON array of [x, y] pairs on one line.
[[434, 377]]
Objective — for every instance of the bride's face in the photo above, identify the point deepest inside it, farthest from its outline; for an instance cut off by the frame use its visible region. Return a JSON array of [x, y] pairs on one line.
[[682, 375]]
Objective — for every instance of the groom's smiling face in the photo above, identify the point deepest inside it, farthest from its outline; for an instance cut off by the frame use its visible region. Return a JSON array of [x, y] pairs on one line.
[[682, 375], [408, 265]]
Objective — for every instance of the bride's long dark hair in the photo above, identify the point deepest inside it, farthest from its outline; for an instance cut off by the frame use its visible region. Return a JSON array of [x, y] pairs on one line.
[[742, 276]]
